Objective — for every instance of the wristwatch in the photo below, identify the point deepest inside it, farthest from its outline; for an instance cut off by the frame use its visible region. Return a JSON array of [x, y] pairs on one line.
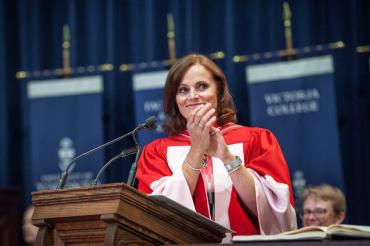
[[234, 165]]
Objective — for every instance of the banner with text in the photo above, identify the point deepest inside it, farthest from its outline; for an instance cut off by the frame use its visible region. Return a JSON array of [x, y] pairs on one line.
[[296, 100], [148, 98], [65, 120]]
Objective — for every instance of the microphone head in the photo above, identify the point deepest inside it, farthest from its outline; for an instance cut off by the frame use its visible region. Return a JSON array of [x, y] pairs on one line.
[[150, 123]]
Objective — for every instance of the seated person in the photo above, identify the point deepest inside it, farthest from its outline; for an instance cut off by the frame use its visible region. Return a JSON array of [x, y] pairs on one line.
[[29, 230], [323, 205]]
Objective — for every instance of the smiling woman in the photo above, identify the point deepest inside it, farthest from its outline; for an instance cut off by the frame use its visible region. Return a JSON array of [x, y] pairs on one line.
[[323, 205], [207, 78], [232, 174], [196, 89]]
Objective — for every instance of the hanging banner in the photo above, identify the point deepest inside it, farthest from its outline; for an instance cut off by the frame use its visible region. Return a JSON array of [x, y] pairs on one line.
[[296, 101], [66, 119], [148, 98]]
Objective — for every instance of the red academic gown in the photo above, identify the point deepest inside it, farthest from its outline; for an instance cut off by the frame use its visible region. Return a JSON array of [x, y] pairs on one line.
[[260, 152]]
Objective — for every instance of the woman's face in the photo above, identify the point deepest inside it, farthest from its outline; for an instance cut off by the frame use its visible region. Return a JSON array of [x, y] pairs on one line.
[[318, 212], [195, 90]]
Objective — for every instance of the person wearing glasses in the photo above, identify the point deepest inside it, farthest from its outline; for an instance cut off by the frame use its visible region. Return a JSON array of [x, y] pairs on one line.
[[323, 205], [232, 174]]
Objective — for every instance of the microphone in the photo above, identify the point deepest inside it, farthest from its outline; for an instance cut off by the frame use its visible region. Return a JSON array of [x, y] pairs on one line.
[[150, 123], [124, 153]]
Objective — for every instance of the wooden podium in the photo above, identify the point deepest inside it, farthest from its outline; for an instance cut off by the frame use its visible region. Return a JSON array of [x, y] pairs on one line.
[[117, 214]]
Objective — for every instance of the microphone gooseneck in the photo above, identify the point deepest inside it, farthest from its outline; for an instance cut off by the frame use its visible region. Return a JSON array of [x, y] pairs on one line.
[[132, 173], [149, 124], [65, 173], [124, 153]]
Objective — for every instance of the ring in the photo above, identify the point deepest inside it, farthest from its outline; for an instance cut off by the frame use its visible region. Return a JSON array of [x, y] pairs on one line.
[[200, 125]]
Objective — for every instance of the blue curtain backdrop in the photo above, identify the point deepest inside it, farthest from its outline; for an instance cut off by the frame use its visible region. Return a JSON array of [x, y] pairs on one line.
[[134, 31], [65, 119], [148, 101], [296, 100]]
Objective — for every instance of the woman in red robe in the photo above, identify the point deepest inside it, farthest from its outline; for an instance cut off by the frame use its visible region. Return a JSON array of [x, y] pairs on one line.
[[233, 174]]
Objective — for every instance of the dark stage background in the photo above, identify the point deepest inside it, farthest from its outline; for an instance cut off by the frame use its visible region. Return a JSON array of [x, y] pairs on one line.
[[133, 31]]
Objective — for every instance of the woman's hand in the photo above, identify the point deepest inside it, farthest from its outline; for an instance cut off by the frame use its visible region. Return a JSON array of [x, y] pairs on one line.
[[218, 147], [205, 139], [199, 125]]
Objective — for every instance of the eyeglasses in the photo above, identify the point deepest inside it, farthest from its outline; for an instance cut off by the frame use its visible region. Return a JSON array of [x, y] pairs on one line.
[[317, 212]]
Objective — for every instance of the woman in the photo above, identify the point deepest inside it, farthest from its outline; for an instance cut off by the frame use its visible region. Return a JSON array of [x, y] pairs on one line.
[[233, 174], [323, 205]]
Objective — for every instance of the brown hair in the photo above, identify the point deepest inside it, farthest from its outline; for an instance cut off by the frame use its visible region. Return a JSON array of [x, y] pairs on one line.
[[327, 193], [175, 122]]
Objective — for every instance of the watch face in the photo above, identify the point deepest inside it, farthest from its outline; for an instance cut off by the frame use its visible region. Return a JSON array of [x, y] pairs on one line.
[[234, 164]]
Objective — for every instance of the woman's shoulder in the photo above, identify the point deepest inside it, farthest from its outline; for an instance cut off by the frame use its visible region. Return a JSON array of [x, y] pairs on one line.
[[232, 127], [240, 133], [157, 142], [164, 142]]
